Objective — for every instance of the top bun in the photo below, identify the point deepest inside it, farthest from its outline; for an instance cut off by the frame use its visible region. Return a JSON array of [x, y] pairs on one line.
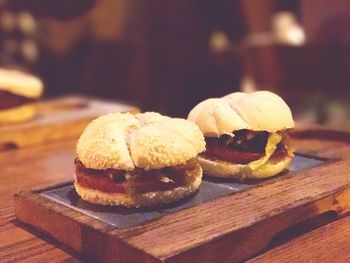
[[21, 84], [257, 111], [147, 140]]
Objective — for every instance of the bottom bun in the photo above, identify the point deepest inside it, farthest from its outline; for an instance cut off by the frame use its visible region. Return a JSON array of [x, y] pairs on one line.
[[140, 199], [220, 168], [18, 114]]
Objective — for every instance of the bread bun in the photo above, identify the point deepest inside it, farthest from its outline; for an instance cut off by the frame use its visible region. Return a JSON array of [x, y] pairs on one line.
[[141, 199], [257, 111], [225, 169], [20, 83], [17, 114], [147, 140]]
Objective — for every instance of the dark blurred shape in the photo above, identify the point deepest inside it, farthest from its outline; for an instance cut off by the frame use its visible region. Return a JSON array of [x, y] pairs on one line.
[[59, 9], [175, 67], [168, 55], [18, 47], [312, 76], [159, 56], [100, 69], [325, 21]]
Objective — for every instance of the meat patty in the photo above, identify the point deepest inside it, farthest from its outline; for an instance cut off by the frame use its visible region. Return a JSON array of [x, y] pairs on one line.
[[139, 180], [217, 150]]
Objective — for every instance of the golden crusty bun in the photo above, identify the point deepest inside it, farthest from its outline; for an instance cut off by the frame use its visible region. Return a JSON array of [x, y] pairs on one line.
[[146, 140], [225, 169], [257, 111], [137, 144], [223, 119]]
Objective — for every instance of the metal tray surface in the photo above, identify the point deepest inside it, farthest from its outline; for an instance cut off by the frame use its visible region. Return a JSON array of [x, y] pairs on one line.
[[210, 189]]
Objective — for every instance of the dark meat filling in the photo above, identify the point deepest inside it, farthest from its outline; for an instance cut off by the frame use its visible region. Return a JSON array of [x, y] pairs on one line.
[[9, 100], [244, 141], [142, 181], [242, 148]]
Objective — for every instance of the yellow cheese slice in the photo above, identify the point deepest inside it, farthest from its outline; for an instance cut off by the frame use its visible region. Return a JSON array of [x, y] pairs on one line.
[[273, 140]]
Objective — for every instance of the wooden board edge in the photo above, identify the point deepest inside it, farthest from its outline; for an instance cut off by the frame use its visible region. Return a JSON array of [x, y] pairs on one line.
[[46, 188], [335, 199], [321, 133], [328, 243], [251, 241], [83, 97], [46, 130], [51, 218], [104, 247], [72, 228]]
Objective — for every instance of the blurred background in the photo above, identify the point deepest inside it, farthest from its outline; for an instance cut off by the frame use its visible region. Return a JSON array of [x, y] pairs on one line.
[[167, 55]]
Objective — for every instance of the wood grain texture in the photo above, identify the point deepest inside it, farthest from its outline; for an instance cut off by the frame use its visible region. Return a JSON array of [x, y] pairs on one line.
[[323, 142], [48, 161], [330, 243], [65, 224], [224, 230], [29, 168], [58, 119]]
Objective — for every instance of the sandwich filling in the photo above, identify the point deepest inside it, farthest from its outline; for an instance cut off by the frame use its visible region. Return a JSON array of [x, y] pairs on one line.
[[9, 100], [136, 181], [248, 147]]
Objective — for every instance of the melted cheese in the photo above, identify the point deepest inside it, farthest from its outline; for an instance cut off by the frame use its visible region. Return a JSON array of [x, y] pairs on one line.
[[165, 179], [271, 145]]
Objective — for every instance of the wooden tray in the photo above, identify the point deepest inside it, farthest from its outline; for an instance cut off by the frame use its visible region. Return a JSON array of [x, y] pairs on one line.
[[230, 228], [58, 119]]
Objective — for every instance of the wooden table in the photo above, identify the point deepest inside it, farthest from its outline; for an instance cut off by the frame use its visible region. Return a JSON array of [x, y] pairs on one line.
[[39, 166], [45, 142]]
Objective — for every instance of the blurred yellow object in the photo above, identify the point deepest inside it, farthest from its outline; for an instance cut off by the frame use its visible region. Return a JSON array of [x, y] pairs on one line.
[[18, 114], [219, 42], [20, 83], [18, 90]]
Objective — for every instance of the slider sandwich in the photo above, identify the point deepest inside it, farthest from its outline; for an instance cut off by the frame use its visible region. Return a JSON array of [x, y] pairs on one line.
[[138, 160], [246, 135], [17, 92]]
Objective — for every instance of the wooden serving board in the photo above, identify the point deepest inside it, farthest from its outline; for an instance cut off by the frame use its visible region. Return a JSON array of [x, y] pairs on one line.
[[229, 228], [57, 119]]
